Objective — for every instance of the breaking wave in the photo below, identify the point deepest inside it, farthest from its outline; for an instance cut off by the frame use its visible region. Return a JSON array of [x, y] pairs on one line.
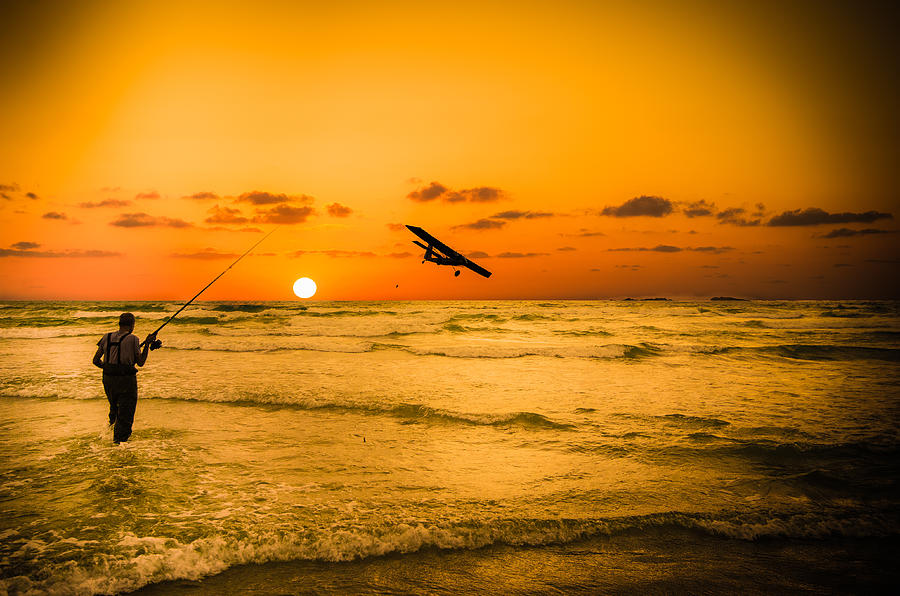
[[136, 561]]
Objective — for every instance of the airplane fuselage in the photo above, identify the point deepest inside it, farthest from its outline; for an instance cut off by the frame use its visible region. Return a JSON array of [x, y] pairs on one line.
[[432, 257]]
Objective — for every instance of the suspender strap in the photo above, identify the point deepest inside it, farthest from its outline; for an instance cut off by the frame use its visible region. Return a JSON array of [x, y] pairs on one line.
[[110, 343]]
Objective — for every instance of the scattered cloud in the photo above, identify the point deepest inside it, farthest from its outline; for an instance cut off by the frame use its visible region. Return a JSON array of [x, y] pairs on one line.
[[205, 254], [395, 227], [414, 180], [669, 249], [522, 215], [9, 187], [104, 203], [735, 217], [32, 196], [478, 254], [225, 215], [55, 215], [482, 194], [24, 249], [338, 210], [111, 189], [144, 220], [224, 229], [711, 249], [700, 208], [847, 232], [644, 205], [454, 197], [521, 255], [337, 254], [428, 193], [657, 248], [284, 214], [258, 197], [436, 190], [814, 216], [481, 224], [203, 196], [566, 248], [399, 255], [147, 195]]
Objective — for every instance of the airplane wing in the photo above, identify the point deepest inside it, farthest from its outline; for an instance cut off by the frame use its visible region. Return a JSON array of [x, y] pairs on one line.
[[434, 242], [446, 250], [478, 269]]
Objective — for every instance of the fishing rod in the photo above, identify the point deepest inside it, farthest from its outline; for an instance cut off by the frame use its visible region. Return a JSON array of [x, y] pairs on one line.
[[157, 343]]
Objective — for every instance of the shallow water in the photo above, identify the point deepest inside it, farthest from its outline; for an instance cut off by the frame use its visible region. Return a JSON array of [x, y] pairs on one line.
[[550, 435]]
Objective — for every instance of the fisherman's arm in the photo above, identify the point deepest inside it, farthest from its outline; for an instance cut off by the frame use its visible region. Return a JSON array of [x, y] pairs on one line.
[[141, 358], [98, 358]]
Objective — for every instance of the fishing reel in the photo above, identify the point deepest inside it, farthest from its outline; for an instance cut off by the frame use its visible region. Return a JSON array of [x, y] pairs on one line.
[[155, 344]]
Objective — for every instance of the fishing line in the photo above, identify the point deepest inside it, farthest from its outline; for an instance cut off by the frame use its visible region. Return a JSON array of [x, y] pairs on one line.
[[157, 343]]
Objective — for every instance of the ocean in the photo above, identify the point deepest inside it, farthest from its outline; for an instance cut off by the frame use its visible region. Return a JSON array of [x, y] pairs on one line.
[[456, 447]]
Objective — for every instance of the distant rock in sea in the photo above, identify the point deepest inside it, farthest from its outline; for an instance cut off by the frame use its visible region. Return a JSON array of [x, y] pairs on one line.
[[646, 299], [728, 298]]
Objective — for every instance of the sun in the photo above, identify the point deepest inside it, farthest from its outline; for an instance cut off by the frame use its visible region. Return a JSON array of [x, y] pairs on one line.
[[305, 287]]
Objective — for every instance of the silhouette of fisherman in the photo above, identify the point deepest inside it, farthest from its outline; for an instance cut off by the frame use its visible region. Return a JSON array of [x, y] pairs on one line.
[[117, 354]]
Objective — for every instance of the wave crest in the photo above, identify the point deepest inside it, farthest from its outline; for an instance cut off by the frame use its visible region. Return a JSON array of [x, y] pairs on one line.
[[136, 561]]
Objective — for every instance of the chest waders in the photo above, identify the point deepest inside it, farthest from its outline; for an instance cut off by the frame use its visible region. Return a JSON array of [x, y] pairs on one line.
[[116, 369]]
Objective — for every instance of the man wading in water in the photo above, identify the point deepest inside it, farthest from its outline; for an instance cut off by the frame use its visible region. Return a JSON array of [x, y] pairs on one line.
[[117, 353]]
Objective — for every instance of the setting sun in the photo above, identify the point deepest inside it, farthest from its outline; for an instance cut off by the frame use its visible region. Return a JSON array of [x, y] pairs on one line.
[[305, 288]]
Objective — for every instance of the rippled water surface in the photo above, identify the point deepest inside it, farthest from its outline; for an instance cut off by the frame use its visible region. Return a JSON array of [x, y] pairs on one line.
[[576, 446]]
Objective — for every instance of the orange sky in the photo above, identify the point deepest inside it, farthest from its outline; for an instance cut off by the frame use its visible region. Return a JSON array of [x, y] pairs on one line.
[[538, 123]]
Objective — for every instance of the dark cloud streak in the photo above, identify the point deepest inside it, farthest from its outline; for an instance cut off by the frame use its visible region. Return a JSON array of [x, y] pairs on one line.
[[225, 215], [667, 248], [645, 205], [436, 190], [338, 210], [700, 208], [284, 214], [145, 220], [735, 216], [54, 254], [847, 232], [105, 203], [482, 224], [522, 215], [206, 254], [258, 197], [813, 216]]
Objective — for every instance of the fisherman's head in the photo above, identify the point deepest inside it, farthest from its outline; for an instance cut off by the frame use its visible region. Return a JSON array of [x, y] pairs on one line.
[[126, 322]]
